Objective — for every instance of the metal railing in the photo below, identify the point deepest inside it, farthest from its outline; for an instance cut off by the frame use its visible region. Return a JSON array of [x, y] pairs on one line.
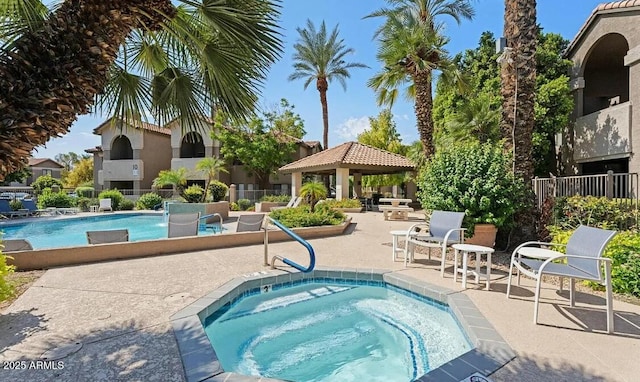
[[255, 195], [622, 187], [294, 236]]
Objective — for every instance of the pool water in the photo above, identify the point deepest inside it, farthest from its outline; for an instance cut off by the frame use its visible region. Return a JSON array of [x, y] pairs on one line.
[[324, 332], [72, 231]]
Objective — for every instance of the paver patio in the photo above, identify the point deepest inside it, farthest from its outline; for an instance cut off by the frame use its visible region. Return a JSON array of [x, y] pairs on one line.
[[119, 313]]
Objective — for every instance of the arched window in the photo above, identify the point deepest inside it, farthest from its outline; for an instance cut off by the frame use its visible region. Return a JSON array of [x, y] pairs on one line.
[[121, 148], [192, 146]]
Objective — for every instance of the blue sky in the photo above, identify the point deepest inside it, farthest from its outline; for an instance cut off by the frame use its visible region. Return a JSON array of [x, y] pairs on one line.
[[349, 110]]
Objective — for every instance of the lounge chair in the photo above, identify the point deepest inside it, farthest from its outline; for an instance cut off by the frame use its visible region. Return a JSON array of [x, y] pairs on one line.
[[7, 211], [444, 229], [13, 245], [583, 260], [105, 205], [294, 202], [108, 236], [250, 223], [183, 224], [30, 205]]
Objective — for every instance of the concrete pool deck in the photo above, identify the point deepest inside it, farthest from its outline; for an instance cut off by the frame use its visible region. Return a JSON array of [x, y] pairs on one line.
[[118, 313]]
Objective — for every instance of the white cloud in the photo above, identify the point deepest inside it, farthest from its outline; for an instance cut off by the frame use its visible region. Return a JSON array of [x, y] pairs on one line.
[[349, 129]]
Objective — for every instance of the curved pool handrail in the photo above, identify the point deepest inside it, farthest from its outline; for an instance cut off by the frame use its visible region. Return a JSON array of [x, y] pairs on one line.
[[203, 219], [294, 236]]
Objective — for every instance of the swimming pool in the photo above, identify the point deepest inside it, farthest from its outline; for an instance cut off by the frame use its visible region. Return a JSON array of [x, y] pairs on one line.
[[328, 332], [69, 232]]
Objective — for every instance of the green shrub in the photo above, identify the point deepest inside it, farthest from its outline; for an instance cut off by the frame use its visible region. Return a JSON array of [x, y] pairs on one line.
[[6, 288], [303, 217], [570, 212], [127, 205], [115, 196], [244, 204], [86, 192], [44, 182], [148, 201], [15, 204], [218, 190], [276, 198], [473, 178], [84, 203], [49, 198], [344, 203], [234, 206], [193, 194], [624, 252], [313, 192]]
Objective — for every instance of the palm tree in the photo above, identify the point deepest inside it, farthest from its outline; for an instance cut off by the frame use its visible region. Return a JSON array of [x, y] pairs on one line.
[[130, 59], [211, 167], [176, 178], [313, 192], [321, 57], [411, 48], [474, 120]]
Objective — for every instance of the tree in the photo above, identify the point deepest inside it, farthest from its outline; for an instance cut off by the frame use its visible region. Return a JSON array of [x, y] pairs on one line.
[[411, 48], [69, 159], [313, 192], [81, 173], [211, 167], [284, 120], [320, 57], [128, 59], [474, 120], [45, 181], [176, 178], [16, 176]]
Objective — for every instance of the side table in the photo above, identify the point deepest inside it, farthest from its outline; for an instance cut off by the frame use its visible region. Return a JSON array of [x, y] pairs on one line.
[[93, 208], [467, 250], [396, 234]]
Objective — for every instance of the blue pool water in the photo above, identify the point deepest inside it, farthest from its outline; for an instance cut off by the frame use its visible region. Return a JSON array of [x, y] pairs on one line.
[[72, 231], [325, 332]]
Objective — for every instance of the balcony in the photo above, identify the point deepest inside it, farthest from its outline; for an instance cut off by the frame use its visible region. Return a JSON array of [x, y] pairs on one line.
[[603, 134], [124, 169]]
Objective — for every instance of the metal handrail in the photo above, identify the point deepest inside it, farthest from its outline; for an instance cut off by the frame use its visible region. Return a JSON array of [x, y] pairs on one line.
[[205, 217], [294, 236]]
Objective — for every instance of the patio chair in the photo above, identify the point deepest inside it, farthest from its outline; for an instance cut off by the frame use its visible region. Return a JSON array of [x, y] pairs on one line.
[[13, 245], [7, 211], [30, 205], [583, 260], [444, 229], [250, 223], [183, 224], [108, 236], [105, 205], [294, 202]]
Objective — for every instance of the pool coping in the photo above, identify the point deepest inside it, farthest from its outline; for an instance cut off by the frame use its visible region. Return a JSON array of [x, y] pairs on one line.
[[200, 362]]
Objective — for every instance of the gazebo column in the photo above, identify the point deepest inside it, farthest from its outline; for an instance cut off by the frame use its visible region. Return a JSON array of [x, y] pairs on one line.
[[357, 184], [342, 183], [296, 183]]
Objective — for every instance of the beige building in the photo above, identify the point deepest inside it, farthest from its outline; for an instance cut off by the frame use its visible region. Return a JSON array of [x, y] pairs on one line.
[[43, 166], [605, 82]]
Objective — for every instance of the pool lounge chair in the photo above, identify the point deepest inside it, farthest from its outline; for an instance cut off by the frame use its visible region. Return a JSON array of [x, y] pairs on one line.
[[294, 202], [583, 260], [108, 236], [105, 205], [7, 211], [444, 230], [13, 245], [250, 223], [30, 205], [183, 224]]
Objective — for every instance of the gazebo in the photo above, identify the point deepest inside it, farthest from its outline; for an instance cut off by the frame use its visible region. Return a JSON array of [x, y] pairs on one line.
[[350, 158]]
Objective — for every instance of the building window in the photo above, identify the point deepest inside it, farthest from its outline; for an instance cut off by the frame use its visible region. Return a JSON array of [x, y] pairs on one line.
[[47, 172], [192, 146]]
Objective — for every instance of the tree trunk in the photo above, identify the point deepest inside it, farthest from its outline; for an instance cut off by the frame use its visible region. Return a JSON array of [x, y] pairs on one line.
[[322, 86], [423, 109], [518, 98], [54, 73]]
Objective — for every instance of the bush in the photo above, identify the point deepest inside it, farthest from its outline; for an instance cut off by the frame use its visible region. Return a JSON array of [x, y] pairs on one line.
[[115, 196], [148, 201], [49, 198], [44, 182], [473, 178], [570, 212], [127, 205], [234, 206], [624, 252], [344, 203], [15, 204], [218, 190], [303, 217], [84, 203], [193, 194], [86, 192], [6, 289], [244, 204], [276, 198]]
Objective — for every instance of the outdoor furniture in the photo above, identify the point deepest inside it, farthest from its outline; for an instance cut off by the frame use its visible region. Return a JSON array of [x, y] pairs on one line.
[[250, 223], [444, 229], [30, 205], [183, 224], [583, 260], [7, 211], [105, 205], [466, 250], [294, 202], [13, 245], [397, 210], [94, 208], [397, 234], [108, 236]]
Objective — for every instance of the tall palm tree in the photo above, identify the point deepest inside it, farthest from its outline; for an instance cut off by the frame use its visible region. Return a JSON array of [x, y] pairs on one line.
[[128, 58], [321, 57], [211, 167], [475, 120], [411, 48]]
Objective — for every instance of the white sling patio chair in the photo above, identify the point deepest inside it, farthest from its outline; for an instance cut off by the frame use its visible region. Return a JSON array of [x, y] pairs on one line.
[[250, 223], [13, 245], [294, 202], [105, 205], [183, 224], [584, 260], [108, 236], [444, 229]]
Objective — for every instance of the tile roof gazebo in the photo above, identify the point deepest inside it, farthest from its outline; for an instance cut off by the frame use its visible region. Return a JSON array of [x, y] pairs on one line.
[[350, 158]]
